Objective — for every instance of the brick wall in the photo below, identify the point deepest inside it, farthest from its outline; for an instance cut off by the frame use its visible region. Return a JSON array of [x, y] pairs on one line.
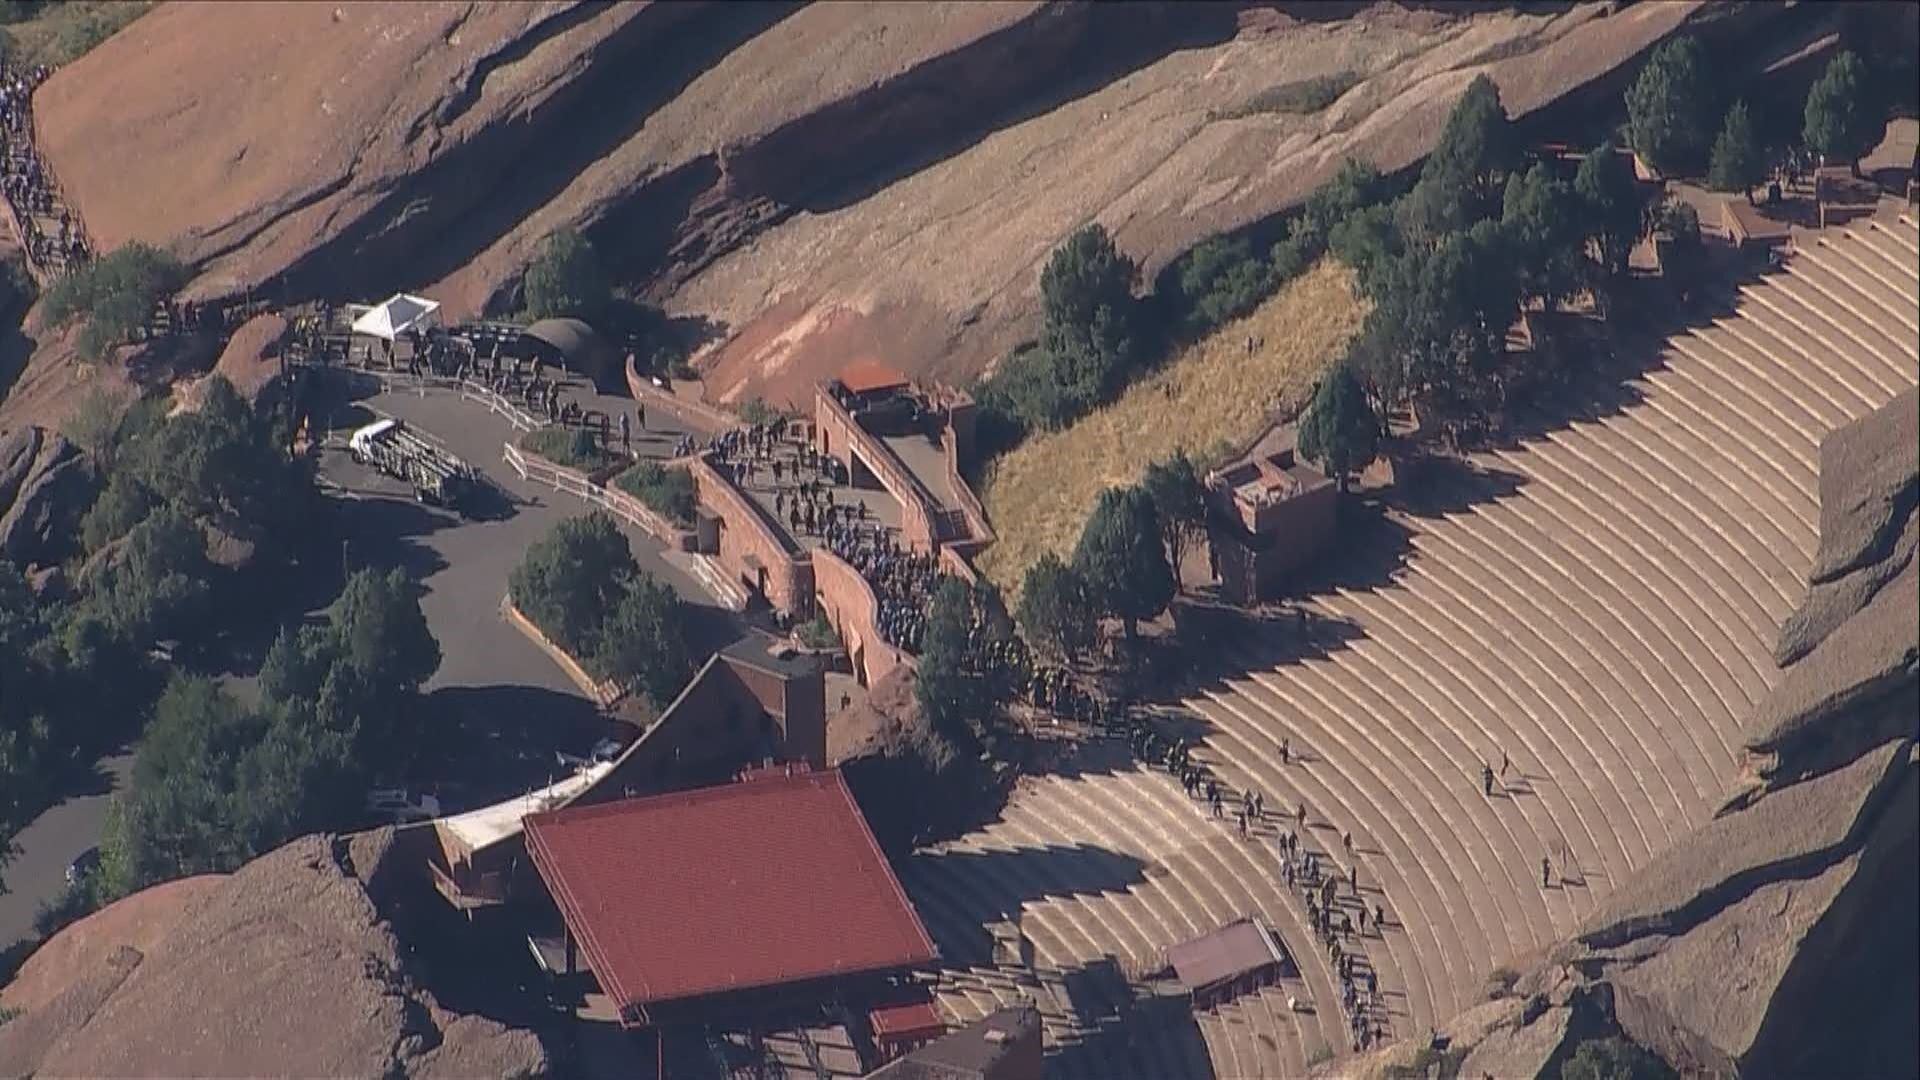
[[747, 535], [838, 435], [691, 414], [1300, 529], [850, 605]]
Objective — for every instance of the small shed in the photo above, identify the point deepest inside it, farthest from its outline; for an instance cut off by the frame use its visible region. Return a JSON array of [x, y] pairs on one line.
[[1238, 958]]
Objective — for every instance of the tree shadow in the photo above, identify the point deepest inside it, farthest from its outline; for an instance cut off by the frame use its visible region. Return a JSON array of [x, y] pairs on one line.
[[389, 530], [500, 741], [1000, 882], [1147, 1031]]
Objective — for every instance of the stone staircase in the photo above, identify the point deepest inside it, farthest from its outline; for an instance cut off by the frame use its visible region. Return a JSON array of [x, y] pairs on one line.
[[1607, 625]]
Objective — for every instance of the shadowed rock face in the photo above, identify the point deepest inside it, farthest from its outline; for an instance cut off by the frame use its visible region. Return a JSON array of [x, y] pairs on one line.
[[288, 960], [1778, 940], [44, 488], [811, 182]]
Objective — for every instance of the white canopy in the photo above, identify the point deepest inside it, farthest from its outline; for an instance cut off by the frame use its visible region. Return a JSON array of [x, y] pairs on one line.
[[398, 314]]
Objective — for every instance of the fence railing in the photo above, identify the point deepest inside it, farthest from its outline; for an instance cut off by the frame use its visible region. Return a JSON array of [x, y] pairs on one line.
[[614, 501]]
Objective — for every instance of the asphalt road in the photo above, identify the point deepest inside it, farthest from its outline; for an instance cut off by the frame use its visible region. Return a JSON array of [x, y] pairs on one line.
[[512, 705], [504, 705], [38, 871]]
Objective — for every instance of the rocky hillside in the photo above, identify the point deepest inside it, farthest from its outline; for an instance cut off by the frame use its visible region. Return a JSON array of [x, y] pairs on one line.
[[233, 976], [1791, 916], [810, 183]]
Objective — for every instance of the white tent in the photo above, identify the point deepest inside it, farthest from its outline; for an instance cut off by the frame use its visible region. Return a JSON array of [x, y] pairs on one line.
[[398, 314]]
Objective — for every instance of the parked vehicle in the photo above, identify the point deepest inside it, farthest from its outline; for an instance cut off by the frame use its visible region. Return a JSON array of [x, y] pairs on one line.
[[401, 806], [437, 476], [83, 865]]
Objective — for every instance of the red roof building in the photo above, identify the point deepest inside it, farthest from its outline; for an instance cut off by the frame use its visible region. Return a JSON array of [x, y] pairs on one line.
[[721, 890]]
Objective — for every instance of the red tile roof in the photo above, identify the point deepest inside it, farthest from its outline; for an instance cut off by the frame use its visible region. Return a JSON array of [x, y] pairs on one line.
[[726, 888], [868, 376], [911, 1020]]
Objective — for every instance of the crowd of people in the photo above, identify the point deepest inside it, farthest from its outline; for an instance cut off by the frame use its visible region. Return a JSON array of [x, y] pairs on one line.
[[1339, 926], [24, 180]]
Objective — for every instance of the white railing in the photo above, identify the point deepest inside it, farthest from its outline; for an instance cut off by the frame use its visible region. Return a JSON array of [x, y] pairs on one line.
[[499, 405], [618, 503]]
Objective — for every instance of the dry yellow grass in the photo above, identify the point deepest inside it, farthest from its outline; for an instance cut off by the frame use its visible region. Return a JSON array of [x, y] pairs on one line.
[[1038, 495]]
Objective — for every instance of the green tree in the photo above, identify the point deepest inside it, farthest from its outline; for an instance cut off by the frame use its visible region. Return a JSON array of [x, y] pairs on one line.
[[950, 695], [1438, 333], [114, 295], [1122, 559], [1463, 177], [357, 674], [1735, 164], [1054, 609], [121, 506], [1180, 502], [1670, 106], [1542, 223], [1367, 241], [215, 783], [1842, 122], [1613, 1059], [1340, 429], [155, 587], [641, 642], [570, 579], [1610, 208], [1685, 250], [566, 280], [1087, 295], [222, 463], [1220, 280], [95, 427]]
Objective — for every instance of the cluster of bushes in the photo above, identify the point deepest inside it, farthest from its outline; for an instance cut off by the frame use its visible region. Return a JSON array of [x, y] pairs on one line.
[[1674, 103], [114, 295], [1097, 337], [581, 587], [1298, 98], [569, 280], [571, 447], [214, 782], [45, 32], [667, 492], [217, 782]]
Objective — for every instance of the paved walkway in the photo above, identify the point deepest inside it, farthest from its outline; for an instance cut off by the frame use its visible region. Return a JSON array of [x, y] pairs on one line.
[[1599, 607]]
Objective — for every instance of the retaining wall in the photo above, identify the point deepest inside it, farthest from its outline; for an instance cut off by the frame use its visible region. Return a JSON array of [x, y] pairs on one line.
[[850, 605], [748, 537], [604, 693], [692, 414], [837, 434]]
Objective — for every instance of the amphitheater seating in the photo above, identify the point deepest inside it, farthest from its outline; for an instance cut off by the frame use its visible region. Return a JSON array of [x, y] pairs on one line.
[[1607, 625]]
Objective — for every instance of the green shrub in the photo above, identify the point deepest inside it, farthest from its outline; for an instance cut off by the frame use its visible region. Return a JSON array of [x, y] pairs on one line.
[[818, 633], [667, 492], [567, 280], [755, 410], [1300, 97], [114, 294], [1220, 280], [54, 34], [573, 448]]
